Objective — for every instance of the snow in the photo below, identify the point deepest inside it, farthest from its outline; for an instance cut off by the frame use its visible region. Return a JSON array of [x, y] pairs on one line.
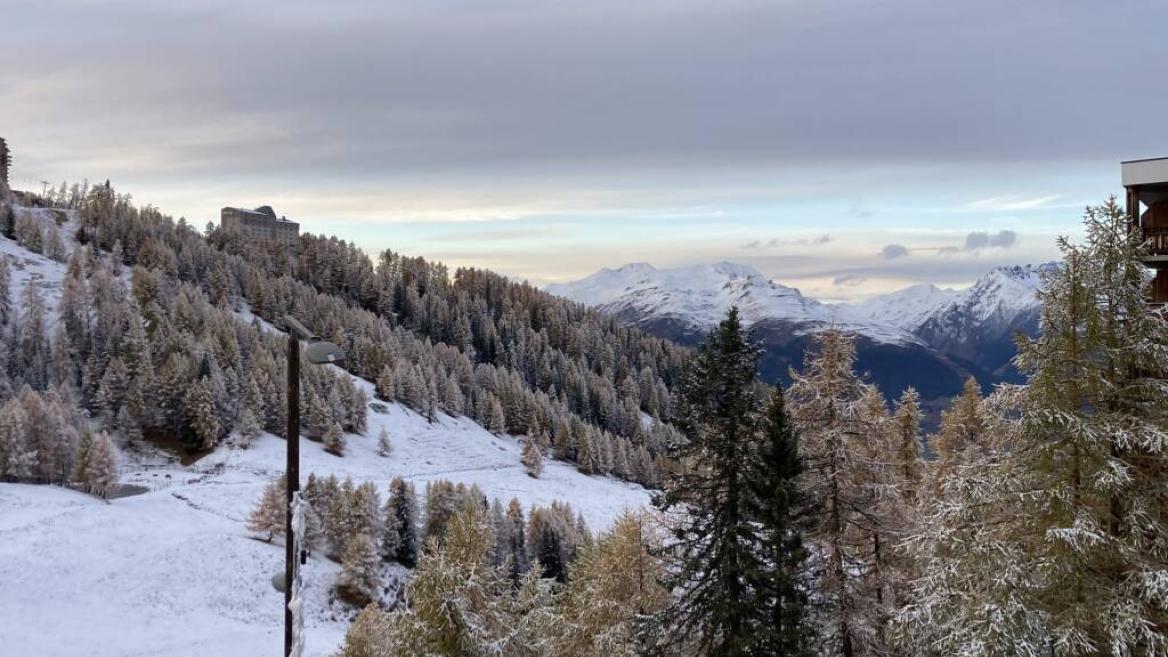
[[174, 570], [26, 266], [700, 295]]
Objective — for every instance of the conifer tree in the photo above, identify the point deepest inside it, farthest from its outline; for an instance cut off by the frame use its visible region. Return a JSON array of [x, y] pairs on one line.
[[384, 448], [270, 513], [516, 559], [906, 427], [780, 585], [359, 577], [334, 439], [614, 586], [716, 546], [400, 541], [1052, 538], [249, 426], [844, 441], [531, 458], [103, 467]]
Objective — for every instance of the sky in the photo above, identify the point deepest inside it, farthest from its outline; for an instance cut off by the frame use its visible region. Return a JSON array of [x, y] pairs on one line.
[[847, 147]]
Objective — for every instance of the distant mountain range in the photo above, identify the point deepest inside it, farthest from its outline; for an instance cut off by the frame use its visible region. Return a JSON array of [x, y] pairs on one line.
[[924, 336]]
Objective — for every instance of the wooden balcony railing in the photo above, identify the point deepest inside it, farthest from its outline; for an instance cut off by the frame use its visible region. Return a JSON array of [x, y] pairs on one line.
[[1157, 240]]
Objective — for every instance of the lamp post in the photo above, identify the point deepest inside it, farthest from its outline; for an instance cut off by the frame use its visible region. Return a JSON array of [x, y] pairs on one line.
[[319, 352]]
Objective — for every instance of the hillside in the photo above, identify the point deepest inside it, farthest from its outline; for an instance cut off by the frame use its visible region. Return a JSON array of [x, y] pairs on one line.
[[173, 570]]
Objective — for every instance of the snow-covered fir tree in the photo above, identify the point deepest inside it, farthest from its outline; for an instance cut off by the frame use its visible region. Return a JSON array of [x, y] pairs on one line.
[[400, 540]]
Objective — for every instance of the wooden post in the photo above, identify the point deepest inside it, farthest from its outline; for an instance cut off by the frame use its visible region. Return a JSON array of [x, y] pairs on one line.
[[292, 482]]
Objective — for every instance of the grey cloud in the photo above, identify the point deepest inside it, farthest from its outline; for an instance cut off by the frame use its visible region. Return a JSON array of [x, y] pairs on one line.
[[848, 280], [893, 251], [400, 89], [776, 242], [1003, 239]]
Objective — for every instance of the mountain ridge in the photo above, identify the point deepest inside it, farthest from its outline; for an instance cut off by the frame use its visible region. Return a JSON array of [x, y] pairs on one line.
[[924, 336]]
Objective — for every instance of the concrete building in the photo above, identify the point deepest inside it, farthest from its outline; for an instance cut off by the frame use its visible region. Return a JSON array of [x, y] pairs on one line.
[[260, 224], [1146, 182]]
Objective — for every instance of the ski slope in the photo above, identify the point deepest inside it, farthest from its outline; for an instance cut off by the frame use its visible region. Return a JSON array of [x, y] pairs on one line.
[[174, 571]]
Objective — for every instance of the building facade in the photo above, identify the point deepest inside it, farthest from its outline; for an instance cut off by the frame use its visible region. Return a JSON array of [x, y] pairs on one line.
[[1146, 182], [260, 224]]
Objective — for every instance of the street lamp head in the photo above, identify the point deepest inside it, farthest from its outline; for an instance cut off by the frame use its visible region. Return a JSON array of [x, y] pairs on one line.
[[323, 353], [298, 329]]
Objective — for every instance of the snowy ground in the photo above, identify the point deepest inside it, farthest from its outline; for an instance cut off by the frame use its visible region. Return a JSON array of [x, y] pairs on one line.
[[175, 572]]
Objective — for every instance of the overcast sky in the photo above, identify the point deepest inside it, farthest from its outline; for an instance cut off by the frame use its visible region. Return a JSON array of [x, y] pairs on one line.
[[846, 147]]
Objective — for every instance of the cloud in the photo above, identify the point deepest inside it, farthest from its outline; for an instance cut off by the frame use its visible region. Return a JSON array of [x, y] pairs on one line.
[[893, 251], [1007, 203], [848, 280], [776, 242], [1003, 239]]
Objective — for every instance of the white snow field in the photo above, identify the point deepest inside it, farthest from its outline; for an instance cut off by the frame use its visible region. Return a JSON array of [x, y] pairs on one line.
[[175, 572]]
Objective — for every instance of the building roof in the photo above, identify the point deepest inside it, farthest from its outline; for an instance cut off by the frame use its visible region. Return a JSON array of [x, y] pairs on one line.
[[1153, 171]]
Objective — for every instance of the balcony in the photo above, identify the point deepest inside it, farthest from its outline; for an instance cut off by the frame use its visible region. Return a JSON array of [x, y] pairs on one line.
[[1157, 241]]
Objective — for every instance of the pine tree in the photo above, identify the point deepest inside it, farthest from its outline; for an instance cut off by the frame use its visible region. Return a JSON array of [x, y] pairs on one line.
[[1052, 539], [270, 513], [716, 544], [531, 458], [359, 577]]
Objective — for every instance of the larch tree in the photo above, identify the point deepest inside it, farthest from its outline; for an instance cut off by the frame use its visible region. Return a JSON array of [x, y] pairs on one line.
[[961, 435], [359, 577], [843, 429], [614, 587], [384, 447], [1054, 541], [270, 514], [906, 438], [531, 458], [334, 439], [103, 467]]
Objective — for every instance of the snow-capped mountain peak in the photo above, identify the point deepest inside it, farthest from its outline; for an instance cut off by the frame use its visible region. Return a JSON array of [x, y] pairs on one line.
[[697, 294]]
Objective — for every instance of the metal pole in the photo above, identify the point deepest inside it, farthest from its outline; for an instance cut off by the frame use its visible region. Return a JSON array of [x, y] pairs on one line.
[[292, 483]]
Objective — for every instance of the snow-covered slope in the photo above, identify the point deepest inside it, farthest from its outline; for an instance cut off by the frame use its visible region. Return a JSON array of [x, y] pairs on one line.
[[906, 309], [174, 571]]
